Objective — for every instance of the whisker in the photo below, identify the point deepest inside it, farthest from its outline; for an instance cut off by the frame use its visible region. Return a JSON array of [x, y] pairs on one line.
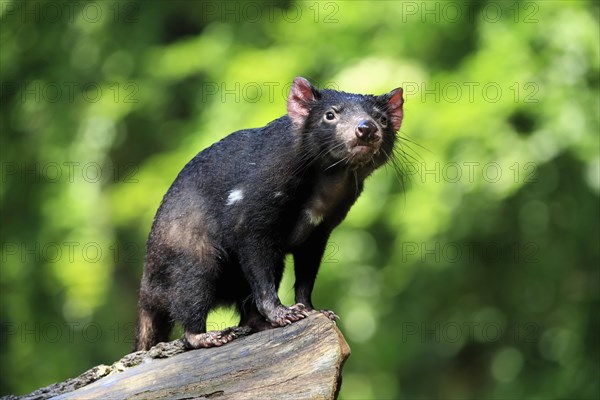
[[336, 163], [406, 138]]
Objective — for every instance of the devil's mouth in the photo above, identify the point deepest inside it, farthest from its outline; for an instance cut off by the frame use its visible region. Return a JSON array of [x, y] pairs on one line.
[[362, 152], [363, 146]]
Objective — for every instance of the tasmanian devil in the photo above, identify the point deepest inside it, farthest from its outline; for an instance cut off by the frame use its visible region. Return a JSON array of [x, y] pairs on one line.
[[237, 208]]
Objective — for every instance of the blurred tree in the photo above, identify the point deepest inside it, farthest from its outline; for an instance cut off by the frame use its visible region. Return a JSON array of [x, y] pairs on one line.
[[477, 280]]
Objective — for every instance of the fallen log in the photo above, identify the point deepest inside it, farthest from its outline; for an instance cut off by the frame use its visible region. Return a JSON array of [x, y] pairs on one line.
[[301, 361]]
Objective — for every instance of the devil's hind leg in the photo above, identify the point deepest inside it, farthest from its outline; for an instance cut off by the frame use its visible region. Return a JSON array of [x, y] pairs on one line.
[[153, 326]]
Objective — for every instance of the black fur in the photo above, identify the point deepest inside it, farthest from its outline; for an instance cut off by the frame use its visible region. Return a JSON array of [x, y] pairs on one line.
[[236, 209]]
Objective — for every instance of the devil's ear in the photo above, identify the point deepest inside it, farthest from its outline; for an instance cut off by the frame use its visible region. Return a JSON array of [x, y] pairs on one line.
[[302, 95], [394, 102]]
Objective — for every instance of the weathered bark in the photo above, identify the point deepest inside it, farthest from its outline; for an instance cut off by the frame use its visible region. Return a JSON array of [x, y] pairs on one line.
[[301, 361]]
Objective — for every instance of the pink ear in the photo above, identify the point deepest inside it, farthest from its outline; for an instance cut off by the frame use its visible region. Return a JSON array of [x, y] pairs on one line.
[[301, 95], [394, 105]]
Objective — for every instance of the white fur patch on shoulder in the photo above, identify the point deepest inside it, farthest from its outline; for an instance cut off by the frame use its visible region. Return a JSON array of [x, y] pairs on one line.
[[234, 196]]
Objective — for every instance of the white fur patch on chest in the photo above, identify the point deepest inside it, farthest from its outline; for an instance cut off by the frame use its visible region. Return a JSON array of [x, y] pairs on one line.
[[234, 196], [314, 217]]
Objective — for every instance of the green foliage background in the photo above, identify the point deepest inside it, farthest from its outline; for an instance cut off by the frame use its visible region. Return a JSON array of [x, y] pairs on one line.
[[477, 279]]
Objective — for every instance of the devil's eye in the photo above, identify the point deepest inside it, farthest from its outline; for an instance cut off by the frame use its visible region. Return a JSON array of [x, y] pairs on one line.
[[383, 121], [329, 116]]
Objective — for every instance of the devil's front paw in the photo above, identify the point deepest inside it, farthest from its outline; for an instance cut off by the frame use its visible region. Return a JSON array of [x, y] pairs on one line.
[[330, 314], [282, 315]]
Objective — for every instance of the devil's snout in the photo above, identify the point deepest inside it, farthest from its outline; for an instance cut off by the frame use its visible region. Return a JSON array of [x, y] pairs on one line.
[[366, 130]]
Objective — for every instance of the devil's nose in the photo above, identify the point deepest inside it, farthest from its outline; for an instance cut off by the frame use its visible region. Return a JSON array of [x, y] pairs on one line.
[[366, 130]]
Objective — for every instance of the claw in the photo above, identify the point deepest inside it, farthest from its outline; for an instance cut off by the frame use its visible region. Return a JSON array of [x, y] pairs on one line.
[[213, 338], [284, 316], [330, 314]]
